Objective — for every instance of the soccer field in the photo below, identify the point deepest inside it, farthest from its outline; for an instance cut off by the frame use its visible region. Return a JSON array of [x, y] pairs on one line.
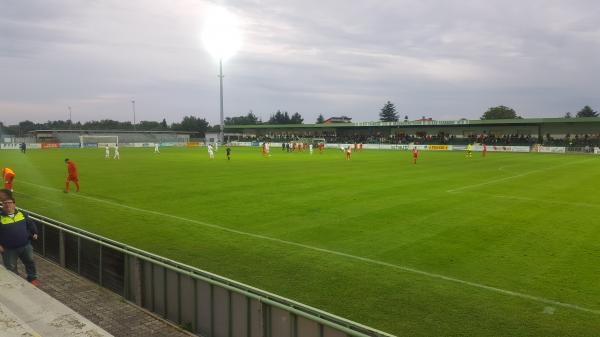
[[507, 245]]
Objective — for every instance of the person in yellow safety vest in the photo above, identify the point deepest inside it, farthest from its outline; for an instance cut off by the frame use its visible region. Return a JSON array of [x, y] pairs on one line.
[[469, 152], [16, 232]]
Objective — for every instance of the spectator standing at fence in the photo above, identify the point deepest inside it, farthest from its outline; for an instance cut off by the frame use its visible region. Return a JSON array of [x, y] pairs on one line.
[[8, 175], [117, 154], [71, 175], [16, 232]]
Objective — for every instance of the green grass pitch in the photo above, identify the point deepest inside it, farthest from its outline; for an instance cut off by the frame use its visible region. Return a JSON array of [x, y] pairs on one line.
[[507, 245]]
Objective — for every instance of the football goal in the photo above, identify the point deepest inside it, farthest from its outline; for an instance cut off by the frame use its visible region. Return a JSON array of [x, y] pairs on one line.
[[98, 141]]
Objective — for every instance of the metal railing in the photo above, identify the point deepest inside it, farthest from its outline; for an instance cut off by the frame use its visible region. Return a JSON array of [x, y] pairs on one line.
[[201, 302]]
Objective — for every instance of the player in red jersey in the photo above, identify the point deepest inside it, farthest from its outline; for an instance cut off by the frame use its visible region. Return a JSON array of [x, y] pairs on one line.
[[348, 152], [299, 147], [355, 147], [72, 175], [293, 147], [360, 147], [415, 155], [264, 150], [484, 149], [321, 145], [8, 175]]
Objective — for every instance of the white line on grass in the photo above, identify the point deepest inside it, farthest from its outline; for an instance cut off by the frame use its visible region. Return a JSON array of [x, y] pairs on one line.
[[333, 252], [555, 202], [38, 198], [493, 181]]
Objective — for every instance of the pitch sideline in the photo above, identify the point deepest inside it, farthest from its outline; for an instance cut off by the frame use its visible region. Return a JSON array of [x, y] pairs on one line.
[[333, 252]]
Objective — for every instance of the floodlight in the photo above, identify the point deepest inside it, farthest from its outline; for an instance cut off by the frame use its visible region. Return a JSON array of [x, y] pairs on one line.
[[221, 34]]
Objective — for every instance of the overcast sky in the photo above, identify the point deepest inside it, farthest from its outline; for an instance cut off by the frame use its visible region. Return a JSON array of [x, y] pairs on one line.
[[436, 58]]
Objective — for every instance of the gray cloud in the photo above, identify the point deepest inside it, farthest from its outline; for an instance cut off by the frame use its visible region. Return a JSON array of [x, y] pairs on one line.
[[444, 59]]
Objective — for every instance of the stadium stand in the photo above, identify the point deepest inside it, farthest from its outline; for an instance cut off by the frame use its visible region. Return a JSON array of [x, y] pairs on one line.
[[569, 132]]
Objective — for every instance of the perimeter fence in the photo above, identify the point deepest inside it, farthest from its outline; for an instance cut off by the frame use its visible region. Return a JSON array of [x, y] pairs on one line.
[[201, 302]]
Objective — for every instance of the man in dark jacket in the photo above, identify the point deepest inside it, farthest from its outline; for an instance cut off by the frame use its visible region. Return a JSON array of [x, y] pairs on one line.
[[16, 233]]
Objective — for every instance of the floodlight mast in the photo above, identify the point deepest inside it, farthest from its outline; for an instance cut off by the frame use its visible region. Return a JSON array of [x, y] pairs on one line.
[[222, 38], [222, 133], [133, 108]]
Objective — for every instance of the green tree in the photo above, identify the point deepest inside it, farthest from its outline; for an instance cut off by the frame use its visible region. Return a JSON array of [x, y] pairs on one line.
[[280, 118], [149, 125], [163, 124], [249, 119], [296, 119], [191, 123], [388, 113], [568, 115], [500, 112], [320, 119], [26, 126], [587, 112]]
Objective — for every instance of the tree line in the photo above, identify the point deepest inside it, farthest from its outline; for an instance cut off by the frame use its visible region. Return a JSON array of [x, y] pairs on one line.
[[199, 125], [188, 124], [388, 113]]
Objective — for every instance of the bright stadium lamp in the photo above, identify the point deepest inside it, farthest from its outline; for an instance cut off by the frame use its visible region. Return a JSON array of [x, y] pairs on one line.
[[222, 38]]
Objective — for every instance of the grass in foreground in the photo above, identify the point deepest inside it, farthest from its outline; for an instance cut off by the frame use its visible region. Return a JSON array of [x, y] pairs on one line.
[[527, 223]]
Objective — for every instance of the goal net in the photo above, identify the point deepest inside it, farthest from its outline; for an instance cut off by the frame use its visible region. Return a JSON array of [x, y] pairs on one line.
[[98, 141]]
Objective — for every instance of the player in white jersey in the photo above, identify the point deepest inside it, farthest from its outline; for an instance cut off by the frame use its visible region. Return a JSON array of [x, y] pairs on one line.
[[106, 152], [156, 150], [211, 154], [216, 146], [310, 147], [117, 155], [268, 148]]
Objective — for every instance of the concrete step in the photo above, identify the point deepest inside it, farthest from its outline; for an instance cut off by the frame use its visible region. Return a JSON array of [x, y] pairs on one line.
[[28, 311]]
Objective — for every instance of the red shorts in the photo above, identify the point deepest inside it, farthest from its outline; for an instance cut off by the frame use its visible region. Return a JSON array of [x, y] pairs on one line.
[[8, 178], [72, 178]]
